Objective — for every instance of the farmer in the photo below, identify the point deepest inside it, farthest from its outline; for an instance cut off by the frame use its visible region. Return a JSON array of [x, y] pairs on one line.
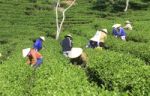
[[38, 43], [94, 41], [119, 32], [78, 57], [34, 58], [128, 25], [98, 40], [66, 44]]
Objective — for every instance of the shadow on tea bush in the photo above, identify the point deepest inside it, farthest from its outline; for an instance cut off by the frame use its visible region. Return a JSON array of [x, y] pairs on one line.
[[3, 41]]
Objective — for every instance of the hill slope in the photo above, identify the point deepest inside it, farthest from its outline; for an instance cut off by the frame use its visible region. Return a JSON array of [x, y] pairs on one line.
[[123, 69]]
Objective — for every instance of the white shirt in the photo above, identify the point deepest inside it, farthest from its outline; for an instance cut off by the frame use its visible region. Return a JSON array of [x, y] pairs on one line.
[[96, 37], [128, 26]]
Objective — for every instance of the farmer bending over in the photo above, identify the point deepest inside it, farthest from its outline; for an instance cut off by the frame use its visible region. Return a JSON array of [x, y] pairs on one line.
[[38, 43], [119, 32], [78, 57], [128, 25], [98, 40], [34, 58], [66, 44]]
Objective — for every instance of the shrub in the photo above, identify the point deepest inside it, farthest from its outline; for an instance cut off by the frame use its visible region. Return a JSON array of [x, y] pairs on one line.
[[118, 5], [140, 50], [120, 72]]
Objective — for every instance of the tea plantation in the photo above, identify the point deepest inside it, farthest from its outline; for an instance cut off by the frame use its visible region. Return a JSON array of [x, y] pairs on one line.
[[121, 70]]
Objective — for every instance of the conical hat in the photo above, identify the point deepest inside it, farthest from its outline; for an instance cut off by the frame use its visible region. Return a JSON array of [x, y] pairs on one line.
[[42, 37], [75, 52], [104, 30], [25, 52], [116, 25], [68, 35]]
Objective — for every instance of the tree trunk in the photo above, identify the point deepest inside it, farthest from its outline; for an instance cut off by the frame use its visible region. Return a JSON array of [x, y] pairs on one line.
[[127, 4], [57, 21], [59, 27]]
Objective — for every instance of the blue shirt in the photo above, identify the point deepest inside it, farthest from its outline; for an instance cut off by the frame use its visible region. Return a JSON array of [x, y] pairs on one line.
[[38, 44], [119, 33], [66, 44]]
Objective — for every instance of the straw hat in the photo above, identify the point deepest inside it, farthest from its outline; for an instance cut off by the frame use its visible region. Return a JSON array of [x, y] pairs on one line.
[[116, 25], [104, 30], [42, 37], [75, 52], [128, 22], [68, 35], [25, 52]]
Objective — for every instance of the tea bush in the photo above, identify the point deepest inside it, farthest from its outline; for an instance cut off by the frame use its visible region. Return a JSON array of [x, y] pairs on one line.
[[54, 77], [120, 72], [139, 50]]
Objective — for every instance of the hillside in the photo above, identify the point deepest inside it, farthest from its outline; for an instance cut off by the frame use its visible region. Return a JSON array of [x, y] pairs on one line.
[[122, 70]]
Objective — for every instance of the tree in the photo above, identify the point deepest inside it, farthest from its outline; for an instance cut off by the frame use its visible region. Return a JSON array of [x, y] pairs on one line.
[[59, 26], [127, 4]]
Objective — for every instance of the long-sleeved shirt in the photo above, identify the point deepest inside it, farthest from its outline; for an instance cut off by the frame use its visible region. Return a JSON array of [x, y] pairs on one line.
[[119, 33], [38, 44], [66, 44], [33, 56]]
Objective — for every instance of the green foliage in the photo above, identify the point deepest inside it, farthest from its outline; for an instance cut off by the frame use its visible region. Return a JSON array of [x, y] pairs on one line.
[[139, 50], [120, 72], [138, 5], [118, 5]]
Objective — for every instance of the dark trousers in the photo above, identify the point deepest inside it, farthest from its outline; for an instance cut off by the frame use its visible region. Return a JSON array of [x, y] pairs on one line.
[[39, 62], [93, 44]]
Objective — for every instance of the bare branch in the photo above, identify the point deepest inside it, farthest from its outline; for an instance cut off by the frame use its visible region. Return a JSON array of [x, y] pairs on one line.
[[63, 19], [57, 23], [127, 4], [64, 14]]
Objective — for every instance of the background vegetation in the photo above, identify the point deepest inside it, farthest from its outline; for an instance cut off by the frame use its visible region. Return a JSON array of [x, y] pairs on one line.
[[122, 70]]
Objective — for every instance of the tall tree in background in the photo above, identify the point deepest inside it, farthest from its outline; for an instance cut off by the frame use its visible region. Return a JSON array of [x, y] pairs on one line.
[[127, 4], [59, 26]]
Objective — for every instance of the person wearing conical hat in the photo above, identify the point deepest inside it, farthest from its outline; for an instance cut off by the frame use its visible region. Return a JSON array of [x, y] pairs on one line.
[[98, 39], [35, 59], [78, 57], [66, 44], [119, 32], [94, 41], [128, 25], [38, 43]]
